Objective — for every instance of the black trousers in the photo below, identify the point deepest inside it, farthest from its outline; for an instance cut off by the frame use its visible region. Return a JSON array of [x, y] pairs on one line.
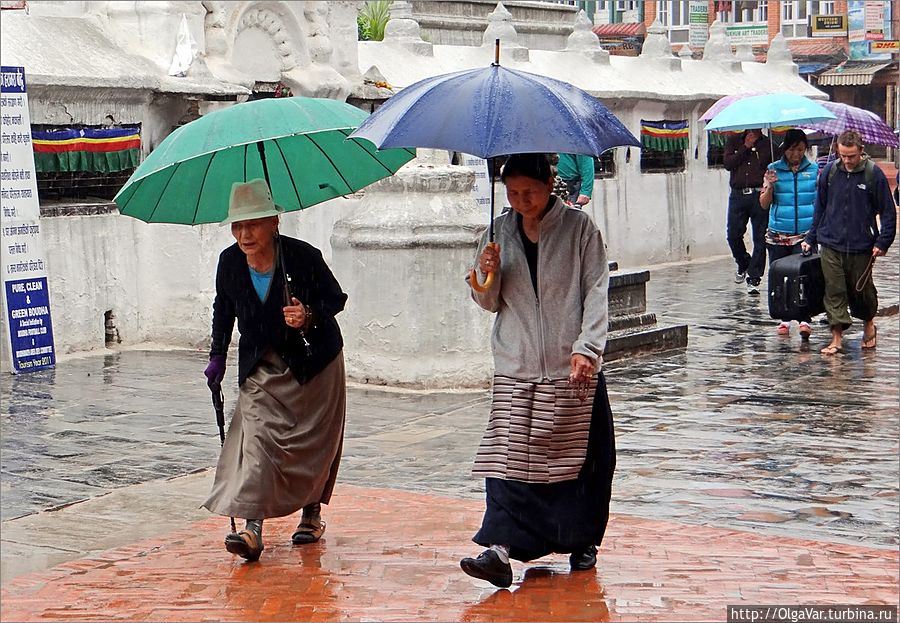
[[741, 210]]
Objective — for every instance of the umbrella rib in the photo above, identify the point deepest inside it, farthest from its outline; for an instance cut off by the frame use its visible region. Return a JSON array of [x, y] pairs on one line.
[[288, 169], [163, 192], [331, 162], [408, 150], [202, 184], [137, 187]]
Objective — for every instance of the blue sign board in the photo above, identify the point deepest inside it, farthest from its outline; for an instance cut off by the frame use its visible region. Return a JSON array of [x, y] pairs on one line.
[[30, 328]]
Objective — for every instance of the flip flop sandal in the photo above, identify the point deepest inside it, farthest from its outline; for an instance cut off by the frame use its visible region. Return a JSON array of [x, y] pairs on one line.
[[246, 544], [831, 350], [872, 338], [308, 533]]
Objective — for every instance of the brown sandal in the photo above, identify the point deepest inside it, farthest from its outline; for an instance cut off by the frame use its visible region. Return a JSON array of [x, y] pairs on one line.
[[308, 532], [246, 544]]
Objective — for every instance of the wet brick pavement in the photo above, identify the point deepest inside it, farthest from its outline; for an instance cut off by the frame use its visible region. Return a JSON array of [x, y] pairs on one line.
[[746, 444], [389, 555]]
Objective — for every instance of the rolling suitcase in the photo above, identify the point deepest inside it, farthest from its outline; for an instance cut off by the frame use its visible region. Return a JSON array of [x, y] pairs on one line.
[[796, 287]]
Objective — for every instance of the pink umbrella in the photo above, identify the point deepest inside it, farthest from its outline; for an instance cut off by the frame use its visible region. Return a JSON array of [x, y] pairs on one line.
[[724, 102]]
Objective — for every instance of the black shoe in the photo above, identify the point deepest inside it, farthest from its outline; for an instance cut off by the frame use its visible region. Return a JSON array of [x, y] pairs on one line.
[[584, 559], [247, 543], [488, 566]]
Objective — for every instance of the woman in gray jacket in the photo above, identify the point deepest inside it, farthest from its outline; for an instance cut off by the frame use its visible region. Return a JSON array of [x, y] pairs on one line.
[[548, 453]]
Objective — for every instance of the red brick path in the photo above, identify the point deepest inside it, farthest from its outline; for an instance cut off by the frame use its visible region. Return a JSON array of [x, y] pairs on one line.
[[391, 555], [890, 171]]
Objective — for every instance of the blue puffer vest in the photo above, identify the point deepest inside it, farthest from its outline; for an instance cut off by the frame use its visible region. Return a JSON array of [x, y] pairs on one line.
[[794, 202]]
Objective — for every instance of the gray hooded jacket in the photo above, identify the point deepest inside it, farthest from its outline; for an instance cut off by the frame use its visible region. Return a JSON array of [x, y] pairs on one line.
[[535, 335]]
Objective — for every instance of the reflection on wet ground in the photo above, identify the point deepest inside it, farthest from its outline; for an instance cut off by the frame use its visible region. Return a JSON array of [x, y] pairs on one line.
[[745, 429], [750, 429]]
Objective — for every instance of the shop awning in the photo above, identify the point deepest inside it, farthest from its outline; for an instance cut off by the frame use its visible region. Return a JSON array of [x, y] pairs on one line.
[[629, 29], [851, 75]]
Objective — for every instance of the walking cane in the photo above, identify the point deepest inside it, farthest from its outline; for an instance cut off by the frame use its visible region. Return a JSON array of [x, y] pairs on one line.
[[219, 404]]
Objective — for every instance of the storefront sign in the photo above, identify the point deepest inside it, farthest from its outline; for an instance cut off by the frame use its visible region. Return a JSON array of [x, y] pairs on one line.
[[699, 23], [891, 46], [827, 25], [874, 16], [863, 27], [25, 294], [756, 34]]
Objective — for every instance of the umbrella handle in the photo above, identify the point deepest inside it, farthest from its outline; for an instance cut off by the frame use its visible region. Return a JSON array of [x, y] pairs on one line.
[[481, 287], [488, 279]]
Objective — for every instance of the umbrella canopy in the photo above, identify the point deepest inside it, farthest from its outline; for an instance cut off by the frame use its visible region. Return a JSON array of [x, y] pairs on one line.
[[297, 144], [769, 111], [870, 126], [496, 111], [724, 102]]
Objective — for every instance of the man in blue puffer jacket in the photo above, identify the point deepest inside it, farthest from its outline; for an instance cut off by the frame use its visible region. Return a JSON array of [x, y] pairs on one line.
[[789, 192], [847, 202]]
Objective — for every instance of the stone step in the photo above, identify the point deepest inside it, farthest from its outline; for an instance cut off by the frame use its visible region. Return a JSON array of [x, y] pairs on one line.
[[631, 321], [634, 341], [628, 292]]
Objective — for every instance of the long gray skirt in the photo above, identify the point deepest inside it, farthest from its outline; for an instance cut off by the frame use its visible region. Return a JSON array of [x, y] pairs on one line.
[[284, 442]]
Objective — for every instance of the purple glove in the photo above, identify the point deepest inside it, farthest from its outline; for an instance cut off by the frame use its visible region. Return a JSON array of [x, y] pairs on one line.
[[215, 371]]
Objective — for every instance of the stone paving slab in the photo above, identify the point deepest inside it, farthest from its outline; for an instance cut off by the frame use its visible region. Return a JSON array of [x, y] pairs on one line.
[[393, 556]]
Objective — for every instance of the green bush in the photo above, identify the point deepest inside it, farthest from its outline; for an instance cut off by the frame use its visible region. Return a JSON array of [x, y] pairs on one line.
[[372, 19]]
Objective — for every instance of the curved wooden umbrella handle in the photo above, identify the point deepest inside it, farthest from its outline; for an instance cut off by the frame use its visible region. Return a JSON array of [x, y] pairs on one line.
[[481, 287], [488, 279]]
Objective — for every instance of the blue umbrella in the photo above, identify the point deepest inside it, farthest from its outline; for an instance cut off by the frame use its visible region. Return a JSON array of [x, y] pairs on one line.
[[495, 111], [773, 110]]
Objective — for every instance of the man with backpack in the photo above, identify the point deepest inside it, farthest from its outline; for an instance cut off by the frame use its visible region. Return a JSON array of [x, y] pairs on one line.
[[851, 192]]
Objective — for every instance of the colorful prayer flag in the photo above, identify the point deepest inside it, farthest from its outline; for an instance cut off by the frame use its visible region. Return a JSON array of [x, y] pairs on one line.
[[665, 135], [104, 150]]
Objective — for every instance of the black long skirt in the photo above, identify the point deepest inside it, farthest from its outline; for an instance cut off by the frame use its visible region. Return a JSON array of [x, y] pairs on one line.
[[536, 519]]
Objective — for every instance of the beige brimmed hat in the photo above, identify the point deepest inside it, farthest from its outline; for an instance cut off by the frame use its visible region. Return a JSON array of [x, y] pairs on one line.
[[250, 200]]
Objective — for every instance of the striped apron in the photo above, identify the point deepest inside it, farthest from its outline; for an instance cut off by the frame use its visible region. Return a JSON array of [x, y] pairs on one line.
[[537, 432]]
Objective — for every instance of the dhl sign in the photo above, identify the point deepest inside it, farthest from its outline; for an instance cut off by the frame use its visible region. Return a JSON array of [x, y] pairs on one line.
[[885, 46]]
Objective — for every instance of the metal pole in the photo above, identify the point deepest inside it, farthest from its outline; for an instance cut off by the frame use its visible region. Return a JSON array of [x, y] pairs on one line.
[[492, 162]]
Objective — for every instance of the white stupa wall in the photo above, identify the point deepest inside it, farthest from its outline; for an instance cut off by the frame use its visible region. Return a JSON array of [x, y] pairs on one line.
[[158, 279]]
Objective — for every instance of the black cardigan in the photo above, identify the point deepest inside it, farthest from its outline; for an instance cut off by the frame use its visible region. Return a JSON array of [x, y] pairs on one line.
[[261, 324]]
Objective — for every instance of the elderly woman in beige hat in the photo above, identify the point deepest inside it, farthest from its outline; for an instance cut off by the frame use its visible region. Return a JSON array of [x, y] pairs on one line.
[[284, 443]]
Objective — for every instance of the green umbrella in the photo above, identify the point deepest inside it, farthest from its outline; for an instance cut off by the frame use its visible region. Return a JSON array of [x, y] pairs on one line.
[[298, 144]]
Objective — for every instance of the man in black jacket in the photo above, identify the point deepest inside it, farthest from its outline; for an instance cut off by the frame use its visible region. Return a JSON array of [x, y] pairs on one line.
[[746, 157], [851, 191]]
